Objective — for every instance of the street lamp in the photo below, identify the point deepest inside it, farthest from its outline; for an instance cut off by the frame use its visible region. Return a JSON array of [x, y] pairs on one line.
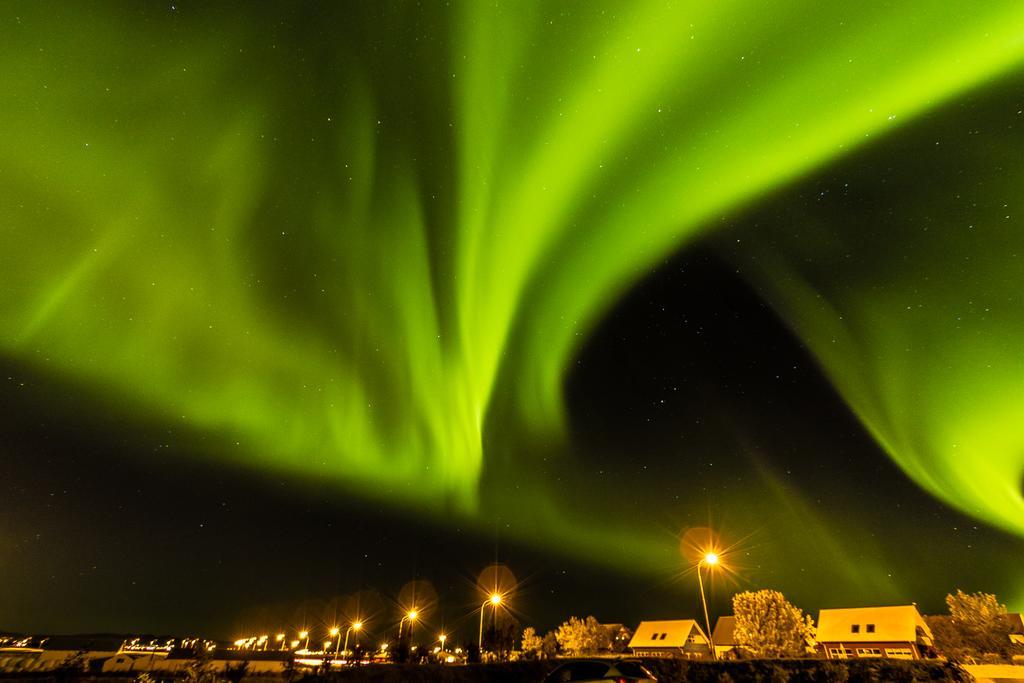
[[710, 559], [356, 626], [280, 640], [494, 600], [442, 638], [335, 631], [411, 617], [305, 634]]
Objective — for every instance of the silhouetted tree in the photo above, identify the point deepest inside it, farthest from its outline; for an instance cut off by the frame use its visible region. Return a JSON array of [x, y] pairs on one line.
[[549, 645], [500, 635]]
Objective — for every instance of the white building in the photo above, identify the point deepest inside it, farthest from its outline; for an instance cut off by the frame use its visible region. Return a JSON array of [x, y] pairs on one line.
[[897, 632], [674, 638]]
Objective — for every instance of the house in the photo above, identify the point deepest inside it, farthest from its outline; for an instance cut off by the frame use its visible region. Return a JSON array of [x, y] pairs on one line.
[[897, 632], [1016, 628], [619, 635], [675, 638], [724, 639]]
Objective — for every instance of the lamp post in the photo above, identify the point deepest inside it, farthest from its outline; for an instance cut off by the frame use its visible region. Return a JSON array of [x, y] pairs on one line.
[[280, 641], [336, 634], [356, 626], [442, 638], [411, 617], [305, 634], [494, 600], [710, 559]]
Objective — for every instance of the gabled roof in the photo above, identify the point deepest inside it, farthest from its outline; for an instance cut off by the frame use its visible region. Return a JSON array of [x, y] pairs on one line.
[[871, 624], [666, 634], [723, 633]]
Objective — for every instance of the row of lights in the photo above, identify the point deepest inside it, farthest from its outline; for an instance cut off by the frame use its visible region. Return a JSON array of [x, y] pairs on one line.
[[261, 642]]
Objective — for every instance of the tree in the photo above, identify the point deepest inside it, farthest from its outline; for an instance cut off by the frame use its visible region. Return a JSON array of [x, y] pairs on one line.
[[200, 667], [549, 645], [235, 674], [949, 640], [500, 635], [532, 645], [579, 637], [981, 621], [767, 625]]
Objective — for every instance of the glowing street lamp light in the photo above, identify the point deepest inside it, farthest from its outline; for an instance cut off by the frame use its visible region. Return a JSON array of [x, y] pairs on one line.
[[710, 559], [356, 626], [305, 634], [411, 617], [280, 640], [442, 638], [494, 600]]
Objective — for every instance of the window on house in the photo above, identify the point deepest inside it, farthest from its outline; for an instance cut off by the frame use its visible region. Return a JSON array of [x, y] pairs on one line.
[[663, 636], [654, 636], [855, 628], [871, 628]]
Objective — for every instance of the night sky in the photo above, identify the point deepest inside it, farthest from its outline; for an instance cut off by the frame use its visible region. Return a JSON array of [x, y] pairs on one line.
[[313, 300]]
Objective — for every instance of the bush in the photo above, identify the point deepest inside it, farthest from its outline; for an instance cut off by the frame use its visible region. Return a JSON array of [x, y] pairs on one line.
[[667, 671]]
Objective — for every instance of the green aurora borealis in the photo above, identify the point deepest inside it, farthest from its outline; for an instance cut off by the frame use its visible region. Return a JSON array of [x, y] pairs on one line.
[[365, 243]]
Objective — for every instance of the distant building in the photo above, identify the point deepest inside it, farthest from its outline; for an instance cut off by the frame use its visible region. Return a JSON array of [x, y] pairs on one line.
[[724, 638], [20, 658], [133, 661], [675, 638], [48, 653], [896, 632], [224, 660]]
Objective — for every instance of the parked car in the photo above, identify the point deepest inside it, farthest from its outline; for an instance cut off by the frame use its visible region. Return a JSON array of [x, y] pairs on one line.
[[587, 670]]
